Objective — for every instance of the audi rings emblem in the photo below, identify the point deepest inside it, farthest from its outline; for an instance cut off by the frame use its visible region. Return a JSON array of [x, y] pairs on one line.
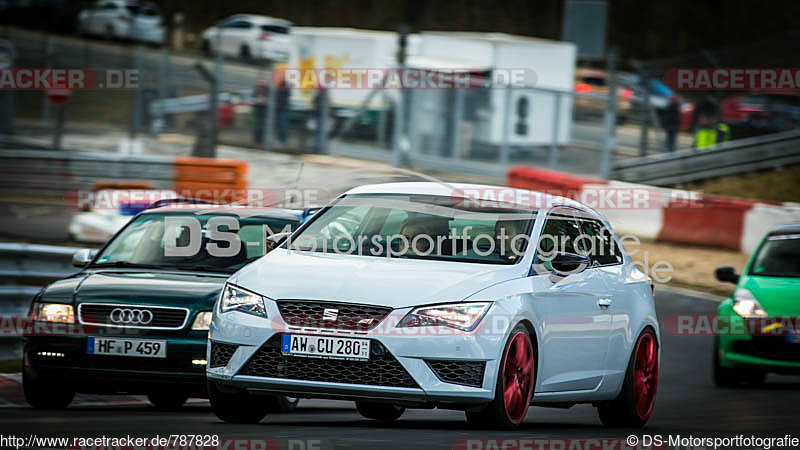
[[126, 316]]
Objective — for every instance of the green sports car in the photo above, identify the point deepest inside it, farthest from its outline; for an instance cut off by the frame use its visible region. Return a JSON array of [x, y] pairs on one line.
[[757, 326]]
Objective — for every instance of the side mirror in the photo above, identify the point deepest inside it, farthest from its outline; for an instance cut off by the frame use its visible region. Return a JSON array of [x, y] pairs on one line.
[[564, 264], [727, 274], [273, 241], [83, 257]]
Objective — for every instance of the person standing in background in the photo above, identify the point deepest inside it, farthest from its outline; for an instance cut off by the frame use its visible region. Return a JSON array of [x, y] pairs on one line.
[[260, 92], [671, 120], [282, 97], [320, 107]]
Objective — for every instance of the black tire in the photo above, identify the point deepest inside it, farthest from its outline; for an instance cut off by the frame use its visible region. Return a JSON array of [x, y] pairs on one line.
[[382, 412], [167, 401], [236, 406], [727, 377], [207, 48], [244, 54], [46, 394], [621, 412], [494, 414], [282, 403]]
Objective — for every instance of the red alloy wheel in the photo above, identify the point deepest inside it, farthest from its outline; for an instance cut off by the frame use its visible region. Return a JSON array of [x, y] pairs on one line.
[[645, 375], [518, 377]]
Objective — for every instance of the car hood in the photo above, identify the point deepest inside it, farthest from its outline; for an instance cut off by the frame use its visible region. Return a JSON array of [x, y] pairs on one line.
[[778, 296], [188, 290], [371, 280]]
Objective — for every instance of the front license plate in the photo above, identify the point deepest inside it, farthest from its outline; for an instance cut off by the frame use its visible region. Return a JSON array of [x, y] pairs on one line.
[[147, 348], [325, 347]]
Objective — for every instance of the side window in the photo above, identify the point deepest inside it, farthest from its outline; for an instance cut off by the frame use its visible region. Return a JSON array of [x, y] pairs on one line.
[[393, 223], [240, 24], [560, 233], [599, 243]]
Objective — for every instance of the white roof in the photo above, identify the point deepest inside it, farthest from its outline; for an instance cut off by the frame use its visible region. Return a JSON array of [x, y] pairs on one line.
[[261, 20], [499, 38], [477, 191]]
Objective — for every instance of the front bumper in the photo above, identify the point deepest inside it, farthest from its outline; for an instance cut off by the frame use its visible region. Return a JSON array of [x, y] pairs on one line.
[[771, 353], [64, 359], [415, 351]]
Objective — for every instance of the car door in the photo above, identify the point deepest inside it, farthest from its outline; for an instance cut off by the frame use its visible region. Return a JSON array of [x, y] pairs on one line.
[[608, 261], [104, 19], [233, 35], [95, 17], [575, 319]]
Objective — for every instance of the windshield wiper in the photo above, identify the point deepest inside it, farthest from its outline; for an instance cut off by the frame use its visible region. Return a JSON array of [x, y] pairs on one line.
[[126, 265], [199, 267]]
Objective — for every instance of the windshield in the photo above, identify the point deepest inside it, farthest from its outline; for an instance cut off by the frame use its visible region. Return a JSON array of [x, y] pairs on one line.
[[779, 256], [222, 243], [419, 227]]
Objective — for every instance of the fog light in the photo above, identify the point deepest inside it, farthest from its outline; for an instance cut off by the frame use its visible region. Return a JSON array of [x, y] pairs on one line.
[[199, 362], [53, 354]]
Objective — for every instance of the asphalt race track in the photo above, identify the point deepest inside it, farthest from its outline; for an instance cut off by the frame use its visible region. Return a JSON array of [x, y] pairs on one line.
[[688, 404]]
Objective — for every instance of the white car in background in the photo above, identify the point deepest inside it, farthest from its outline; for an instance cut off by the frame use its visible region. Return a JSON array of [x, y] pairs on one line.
[[498, 317], [123, 19], [113, 208], [249, 37]]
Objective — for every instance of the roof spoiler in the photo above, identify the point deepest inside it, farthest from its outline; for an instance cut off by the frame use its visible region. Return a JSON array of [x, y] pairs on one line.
[[179, 201]]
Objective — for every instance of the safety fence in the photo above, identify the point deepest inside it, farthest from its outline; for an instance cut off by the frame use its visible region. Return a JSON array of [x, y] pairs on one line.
[[57, 173]]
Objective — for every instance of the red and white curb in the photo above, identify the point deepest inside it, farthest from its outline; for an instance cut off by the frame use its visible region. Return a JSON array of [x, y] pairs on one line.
[[663, 214]]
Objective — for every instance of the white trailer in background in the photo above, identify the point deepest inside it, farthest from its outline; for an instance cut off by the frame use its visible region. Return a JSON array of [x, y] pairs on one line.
[[529, 108], [535, 117], [345, 48]]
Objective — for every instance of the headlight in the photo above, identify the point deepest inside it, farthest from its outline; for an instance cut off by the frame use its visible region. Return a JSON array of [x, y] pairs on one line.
[[463, 316], [746, 305], [237, 299], [202, 321], [53, 312]]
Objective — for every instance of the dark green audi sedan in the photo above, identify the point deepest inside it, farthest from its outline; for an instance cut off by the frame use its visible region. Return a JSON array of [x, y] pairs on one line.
[[135, 318]]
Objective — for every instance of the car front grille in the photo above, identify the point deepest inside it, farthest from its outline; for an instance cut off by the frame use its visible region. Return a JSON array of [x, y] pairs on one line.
[[162, 317], [467, 373], [382, 369], [769, 347], [221, 354], [340, 316]]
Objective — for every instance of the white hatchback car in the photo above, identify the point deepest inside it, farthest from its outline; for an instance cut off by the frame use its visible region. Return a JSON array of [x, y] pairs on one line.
[[476, 298], [249, 37], [123, 19]]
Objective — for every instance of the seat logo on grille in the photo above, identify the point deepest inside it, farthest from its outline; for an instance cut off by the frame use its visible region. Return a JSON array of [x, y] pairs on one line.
[[128, 316], [330, 314]]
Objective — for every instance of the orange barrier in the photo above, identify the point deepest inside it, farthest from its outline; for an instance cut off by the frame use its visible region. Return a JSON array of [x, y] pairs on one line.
[[114, 184], [222, 180], [549, 181], [711, 220]]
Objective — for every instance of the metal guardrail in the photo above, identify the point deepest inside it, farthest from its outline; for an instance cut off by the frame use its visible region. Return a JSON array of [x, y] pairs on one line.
[[33, 264], [194, 103], [730, 158], [24, 269], [54, 173]]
